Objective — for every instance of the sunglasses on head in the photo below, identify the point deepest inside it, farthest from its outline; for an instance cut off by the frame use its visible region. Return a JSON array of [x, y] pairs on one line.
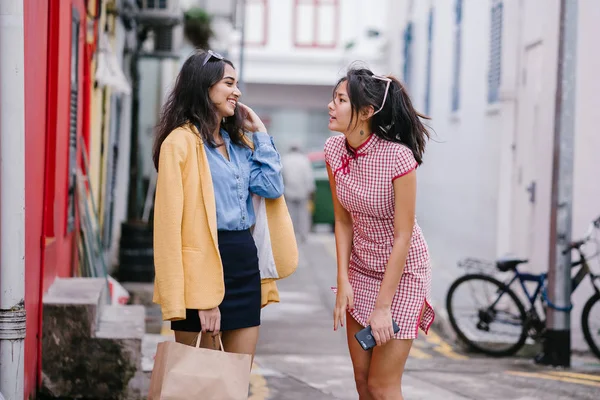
[[210, 54], [387, 86]]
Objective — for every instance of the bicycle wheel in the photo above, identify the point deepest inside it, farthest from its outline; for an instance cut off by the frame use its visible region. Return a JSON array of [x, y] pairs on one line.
[[496, 324], [590, 323]]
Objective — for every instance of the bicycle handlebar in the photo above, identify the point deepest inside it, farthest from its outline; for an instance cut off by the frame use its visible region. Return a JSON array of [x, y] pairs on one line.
[[575, 245]]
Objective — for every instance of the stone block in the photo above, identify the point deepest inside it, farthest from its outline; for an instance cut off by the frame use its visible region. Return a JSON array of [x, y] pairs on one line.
[[90, 350], [91, 368]]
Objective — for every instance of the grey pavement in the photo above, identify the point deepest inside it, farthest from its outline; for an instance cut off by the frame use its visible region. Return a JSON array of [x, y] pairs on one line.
[[299, 355]]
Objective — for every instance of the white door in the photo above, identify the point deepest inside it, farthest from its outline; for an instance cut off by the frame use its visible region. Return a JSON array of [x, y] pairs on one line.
[[526, 172]]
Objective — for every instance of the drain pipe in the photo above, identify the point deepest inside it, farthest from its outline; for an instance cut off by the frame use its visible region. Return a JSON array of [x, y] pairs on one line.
[[12, 199]]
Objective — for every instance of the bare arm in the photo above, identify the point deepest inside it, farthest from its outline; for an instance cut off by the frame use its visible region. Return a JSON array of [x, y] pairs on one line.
[[343, 232], [343, 247], [405, 193]]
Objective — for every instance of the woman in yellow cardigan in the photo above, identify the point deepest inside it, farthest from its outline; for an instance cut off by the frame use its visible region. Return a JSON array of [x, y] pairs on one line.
[[222, 232]]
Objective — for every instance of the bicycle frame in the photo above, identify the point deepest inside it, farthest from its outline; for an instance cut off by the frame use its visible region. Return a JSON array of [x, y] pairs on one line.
[[540, 279], [527, 277]]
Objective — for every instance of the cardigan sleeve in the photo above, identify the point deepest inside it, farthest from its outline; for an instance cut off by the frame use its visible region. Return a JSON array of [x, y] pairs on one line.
[[168, 213]]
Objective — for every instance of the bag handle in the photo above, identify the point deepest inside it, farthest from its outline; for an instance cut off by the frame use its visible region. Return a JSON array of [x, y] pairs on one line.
[[200, 337]]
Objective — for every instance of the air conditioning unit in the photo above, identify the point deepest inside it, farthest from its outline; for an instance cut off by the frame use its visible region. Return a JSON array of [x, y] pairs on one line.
[[219, 8], [161, 17], [162, 13]]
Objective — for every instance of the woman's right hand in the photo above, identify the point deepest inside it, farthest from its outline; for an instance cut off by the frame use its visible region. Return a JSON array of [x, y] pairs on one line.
[[252, 122], [344, 302], [210, 320]]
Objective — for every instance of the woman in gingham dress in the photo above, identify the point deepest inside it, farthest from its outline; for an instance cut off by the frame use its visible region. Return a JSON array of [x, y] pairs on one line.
[[384, 271]]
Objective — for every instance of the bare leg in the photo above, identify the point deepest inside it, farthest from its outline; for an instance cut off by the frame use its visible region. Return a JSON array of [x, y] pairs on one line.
[[386, 369], [241, 341], [361, 359]]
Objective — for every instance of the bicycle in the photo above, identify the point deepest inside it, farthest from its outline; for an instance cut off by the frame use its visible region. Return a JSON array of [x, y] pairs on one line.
[[505, 309]]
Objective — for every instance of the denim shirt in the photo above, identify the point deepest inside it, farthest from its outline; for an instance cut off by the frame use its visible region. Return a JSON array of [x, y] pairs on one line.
[[245, 172]]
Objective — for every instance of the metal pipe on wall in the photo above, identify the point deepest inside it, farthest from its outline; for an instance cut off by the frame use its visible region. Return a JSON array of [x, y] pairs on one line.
[[12, 199]]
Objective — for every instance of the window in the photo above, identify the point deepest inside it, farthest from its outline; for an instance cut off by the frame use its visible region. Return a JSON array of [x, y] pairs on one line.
[[257, 22], [457, 54], [316, 23], [495, 66], [407, 67], [74, 95], [428, 72]]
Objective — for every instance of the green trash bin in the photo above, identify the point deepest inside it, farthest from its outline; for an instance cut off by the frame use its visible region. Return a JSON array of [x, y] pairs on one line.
[[323, 204]]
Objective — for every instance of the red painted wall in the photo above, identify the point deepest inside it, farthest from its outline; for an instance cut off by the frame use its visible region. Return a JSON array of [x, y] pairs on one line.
[[36, 42], [49, 248]]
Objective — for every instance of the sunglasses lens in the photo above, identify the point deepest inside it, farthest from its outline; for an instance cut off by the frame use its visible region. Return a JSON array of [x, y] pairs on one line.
[[210, 54]]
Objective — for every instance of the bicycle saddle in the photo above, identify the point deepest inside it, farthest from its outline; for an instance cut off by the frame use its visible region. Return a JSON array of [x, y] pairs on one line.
[[509, 263]]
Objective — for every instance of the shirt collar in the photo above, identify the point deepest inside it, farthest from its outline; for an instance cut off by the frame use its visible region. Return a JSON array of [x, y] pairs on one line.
[[225, 135]]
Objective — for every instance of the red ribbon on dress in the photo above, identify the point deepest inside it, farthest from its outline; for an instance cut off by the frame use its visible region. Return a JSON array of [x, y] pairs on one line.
[[345, 168]]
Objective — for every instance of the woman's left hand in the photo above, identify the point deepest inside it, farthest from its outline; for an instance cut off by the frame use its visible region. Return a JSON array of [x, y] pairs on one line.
[[381, 325], [252, 122]]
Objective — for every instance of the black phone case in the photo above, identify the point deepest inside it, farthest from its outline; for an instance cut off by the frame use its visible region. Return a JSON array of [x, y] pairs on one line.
[[365, 336]]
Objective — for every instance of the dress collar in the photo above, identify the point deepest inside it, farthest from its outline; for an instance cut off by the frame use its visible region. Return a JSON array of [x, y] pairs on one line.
[[368, 144]]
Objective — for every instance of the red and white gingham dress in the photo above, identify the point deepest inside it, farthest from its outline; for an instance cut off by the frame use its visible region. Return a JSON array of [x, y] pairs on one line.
[[364, 185]]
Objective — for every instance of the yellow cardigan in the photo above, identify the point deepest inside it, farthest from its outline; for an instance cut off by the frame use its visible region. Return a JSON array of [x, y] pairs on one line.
[[188, 266]]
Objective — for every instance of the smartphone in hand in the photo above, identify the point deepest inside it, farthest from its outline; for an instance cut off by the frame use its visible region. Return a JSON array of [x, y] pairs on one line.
[[365, 336]]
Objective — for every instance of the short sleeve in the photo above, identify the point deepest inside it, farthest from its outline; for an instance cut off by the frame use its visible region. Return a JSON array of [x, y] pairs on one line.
[[404, 162], [331, 146]]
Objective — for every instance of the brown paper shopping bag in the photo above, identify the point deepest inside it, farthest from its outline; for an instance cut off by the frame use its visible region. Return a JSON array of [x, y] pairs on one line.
[[184, 373]]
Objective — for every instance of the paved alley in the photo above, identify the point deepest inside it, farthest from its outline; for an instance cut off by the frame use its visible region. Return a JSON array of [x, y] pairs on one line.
[[300, 357]]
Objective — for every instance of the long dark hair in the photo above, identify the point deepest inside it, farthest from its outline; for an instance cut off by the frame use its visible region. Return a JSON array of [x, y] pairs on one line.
[[189, 102], [398, 121]]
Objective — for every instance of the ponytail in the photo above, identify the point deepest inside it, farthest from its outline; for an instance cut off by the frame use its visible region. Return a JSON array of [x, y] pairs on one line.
[[406, 126], [397, 121]]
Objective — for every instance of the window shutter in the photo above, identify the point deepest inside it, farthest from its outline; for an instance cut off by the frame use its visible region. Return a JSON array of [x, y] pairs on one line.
[[457, 56], [429, 56], [495, 62], [73, 111]]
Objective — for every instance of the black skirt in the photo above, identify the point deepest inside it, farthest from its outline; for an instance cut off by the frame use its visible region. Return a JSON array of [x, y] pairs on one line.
[[241, 306]]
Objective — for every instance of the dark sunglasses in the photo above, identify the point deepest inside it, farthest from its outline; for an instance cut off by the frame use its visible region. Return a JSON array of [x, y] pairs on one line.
[[210, 54]]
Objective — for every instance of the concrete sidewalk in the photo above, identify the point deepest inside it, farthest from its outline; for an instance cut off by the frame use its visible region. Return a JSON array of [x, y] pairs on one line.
[[299, 355]]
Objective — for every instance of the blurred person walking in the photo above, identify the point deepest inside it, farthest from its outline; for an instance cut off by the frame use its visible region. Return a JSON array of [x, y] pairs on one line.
[[384, 271], [210, 172], [299, 183]]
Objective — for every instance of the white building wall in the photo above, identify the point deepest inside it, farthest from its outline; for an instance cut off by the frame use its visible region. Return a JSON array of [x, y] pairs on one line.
[[288, 85], [539, 21], [473, 198], [458, 182], [586, 185]]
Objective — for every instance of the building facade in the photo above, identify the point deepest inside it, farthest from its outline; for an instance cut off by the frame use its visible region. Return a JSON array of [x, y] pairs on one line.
[[486, 72], [294, 53], [67, 120]]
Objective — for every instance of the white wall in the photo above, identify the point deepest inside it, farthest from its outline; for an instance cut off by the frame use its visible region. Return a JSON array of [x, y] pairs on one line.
[[472, 197], [458, 182], [586, 186]]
